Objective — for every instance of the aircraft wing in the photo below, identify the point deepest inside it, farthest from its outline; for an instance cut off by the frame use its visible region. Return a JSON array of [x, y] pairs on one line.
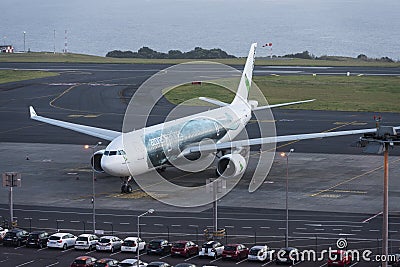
[[92, 131], [269, 140]]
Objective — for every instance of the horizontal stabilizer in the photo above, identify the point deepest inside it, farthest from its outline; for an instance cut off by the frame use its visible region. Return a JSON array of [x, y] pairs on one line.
[[214, 101], [283, 104]]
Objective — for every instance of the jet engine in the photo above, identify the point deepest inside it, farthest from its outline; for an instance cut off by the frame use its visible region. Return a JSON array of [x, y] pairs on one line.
[[95, 160], [231, 165]]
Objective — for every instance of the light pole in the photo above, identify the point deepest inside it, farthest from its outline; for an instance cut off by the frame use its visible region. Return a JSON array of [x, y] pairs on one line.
[[150, 211], [286, 155], [24, 41], [93, 187]]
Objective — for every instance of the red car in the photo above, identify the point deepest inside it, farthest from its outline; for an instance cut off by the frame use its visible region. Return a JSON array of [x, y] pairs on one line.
[[235, 251], [339, 258], [84, 261], [184, 248]]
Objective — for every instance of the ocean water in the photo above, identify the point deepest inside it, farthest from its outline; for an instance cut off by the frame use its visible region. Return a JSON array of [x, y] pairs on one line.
[[323, 27]]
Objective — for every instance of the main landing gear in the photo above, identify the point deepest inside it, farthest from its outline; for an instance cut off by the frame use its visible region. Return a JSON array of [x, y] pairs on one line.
[[126, 188]]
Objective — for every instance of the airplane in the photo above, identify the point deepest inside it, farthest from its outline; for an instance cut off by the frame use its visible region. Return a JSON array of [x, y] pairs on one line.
[[161, 145]]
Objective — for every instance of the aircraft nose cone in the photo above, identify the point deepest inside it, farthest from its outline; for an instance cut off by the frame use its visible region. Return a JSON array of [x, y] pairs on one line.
[[114, 165], [106, 165]]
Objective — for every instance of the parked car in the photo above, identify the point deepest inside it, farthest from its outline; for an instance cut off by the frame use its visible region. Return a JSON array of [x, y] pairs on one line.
[[130, 244], [37, 239], [15, 237], [211, 249], [235, 251], [3, 232], [106, 262], [260, 253], [61, 240], [158, 264], [287, 256], [184, 248], [339, 258], [159, 246], [86, 241], [185, 264], [395, 261], [83, 261], [109, 243], [131, 263]]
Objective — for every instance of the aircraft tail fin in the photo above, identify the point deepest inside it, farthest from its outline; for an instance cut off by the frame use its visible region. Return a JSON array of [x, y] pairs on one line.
[[247, 75]]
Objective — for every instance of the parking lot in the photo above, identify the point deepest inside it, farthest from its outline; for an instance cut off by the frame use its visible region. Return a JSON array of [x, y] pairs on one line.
[[45, 257], [250, 227]]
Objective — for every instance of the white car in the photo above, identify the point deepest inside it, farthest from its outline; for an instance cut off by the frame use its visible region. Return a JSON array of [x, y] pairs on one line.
[[86, 241], [259, 253], [109, 243], [2, 233], [131, 263], [61, 240], [130, 244], [211, 249]]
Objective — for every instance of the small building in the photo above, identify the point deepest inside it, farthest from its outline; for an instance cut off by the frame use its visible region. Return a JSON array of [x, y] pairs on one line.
[[6, 49]]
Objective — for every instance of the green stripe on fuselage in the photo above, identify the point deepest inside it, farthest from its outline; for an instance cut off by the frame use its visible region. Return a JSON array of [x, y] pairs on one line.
[[246, 80]]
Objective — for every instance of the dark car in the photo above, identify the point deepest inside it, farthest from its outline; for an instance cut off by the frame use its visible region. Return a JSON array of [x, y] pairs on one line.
[[185, 265], [395, 260], [159, 246], [15, 237], [106, 262], [83, 261], [235, 251], [184, 248], [158, 264], [287, 255], [37, 239]]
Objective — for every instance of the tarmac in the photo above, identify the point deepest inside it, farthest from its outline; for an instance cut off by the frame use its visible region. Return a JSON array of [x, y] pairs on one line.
[[324, 174], [59, 175], [334, 191]]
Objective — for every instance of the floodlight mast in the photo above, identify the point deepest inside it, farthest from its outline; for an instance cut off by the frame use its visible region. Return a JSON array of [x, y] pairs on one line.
[[376, 143]]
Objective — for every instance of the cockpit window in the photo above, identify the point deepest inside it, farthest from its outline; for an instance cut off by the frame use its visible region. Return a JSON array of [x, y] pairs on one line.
[[112, 153], [121, 152], [106, 153]]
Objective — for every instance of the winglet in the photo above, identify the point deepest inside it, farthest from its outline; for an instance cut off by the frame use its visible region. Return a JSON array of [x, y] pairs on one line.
[[32, 112]]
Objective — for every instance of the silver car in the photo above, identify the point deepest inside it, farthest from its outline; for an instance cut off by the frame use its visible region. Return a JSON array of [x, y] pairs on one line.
[[211, 249], [86, 241], [109, 243]]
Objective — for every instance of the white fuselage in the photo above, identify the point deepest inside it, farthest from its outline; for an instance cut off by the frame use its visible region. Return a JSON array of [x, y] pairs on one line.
[[142, 150]]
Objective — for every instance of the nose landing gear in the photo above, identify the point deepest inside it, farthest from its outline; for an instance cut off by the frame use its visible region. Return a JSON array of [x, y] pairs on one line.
[[126, 188]]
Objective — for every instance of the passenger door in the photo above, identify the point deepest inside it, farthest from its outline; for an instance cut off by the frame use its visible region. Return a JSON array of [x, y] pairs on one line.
[[141, 244], [219, 248]]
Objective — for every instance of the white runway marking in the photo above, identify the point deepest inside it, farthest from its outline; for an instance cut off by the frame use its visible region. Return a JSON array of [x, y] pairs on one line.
[[25, 263]]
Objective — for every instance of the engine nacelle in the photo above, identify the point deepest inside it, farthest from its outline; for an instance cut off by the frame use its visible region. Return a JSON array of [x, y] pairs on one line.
[[95, 160], [231, 165]]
